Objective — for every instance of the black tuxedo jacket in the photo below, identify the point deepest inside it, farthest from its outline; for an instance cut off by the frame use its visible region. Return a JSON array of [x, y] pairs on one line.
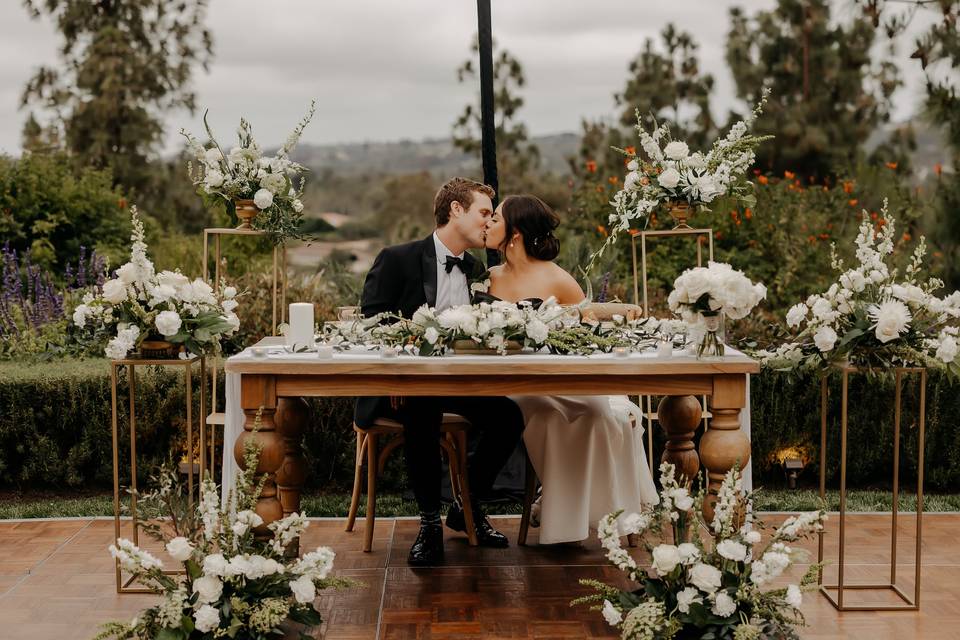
[[402, 279]]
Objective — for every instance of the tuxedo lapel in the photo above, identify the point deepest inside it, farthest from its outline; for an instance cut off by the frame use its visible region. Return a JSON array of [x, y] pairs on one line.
[[474, 267], [428, 265]]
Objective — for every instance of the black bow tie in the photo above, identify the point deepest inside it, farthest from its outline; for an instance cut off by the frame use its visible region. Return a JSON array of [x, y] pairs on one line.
[[454, 262]]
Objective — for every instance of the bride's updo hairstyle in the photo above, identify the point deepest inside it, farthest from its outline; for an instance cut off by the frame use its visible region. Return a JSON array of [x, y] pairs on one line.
[[535, 221]]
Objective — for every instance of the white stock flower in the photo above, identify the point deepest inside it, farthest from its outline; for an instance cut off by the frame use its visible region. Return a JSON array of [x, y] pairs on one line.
[[724, 606], [230, 305], [172, 278], [263, 198], [705, 577], [732, 550], [752, 537], [891, 319], [208, 589], [631, 180], [537, 331], [80, 315], [610, 614], [303, 590], [825, 338], [796, 314], [206, 619], [128, 273], [676, 150], [794, 596], [114, 291], [681, 499], [669, 179], [686, 598], [666, 557], [168, 323], [180, 549], [634, 523], [316, 564]]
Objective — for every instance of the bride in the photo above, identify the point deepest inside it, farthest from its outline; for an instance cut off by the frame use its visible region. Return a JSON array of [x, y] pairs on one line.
[[588, 455]]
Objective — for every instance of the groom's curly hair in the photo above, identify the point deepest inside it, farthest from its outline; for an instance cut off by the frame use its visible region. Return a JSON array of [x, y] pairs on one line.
[[457, 190]]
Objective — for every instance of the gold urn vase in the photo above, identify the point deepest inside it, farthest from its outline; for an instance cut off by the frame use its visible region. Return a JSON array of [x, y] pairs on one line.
[[246, 212], [680, 210]]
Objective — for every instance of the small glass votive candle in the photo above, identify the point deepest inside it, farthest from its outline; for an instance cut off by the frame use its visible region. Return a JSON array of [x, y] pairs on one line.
[[621, 352], [324, 350], [665, 349], [386, 351]]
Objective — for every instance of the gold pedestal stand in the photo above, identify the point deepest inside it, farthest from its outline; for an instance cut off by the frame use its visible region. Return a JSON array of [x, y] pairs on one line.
[[131, 363], [840, 586], [279, 306], [646, 402]]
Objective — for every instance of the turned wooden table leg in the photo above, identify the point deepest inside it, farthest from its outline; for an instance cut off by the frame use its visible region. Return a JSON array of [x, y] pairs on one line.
[[292, 417], [679, 417], [724, 445], [258, 393]]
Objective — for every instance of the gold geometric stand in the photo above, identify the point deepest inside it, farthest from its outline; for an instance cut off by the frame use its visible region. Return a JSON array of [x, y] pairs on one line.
[[646, 402], [840, 586], [278, 311], [132, 362]]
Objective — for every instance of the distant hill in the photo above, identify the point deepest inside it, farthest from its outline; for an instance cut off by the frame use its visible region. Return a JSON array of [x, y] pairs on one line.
[[437, 156]]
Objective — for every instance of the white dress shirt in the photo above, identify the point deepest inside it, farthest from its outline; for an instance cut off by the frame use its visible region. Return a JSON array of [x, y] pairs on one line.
[[452, 289]]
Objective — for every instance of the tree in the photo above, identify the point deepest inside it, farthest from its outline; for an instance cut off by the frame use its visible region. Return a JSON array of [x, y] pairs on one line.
[[827, 97], [516, 156], [123, 63]]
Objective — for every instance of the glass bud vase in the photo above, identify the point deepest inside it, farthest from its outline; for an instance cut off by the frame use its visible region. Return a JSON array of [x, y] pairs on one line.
[[712, 339]]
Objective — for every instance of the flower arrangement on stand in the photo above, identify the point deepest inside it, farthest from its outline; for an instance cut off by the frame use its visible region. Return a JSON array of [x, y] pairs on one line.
[[704, 296], [671, 176], [872, 317], [698, 589], [233, 585], [497, 326], [166, 307], [259, 190]]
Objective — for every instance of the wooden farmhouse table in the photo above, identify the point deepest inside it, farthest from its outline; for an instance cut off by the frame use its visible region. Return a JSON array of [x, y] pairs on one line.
[[273, 385]]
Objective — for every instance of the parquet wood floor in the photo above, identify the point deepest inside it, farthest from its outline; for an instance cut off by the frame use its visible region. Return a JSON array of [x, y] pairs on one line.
[[56, 582]]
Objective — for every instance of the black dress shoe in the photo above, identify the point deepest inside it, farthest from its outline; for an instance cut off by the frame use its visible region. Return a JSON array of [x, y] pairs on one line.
[[487, 536], [427, 550]]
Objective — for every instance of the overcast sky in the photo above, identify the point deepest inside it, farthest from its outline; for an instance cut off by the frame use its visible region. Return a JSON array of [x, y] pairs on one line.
[[385, 70]]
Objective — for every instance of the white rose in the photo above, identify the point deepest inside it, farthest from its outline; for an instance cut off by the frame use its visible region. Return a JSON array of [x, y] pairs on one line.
[[610, 614], [696, 161], [689, 553], [686, 598], [213, 179], [215, 565], [669, 178], [634, 523], [128, 273], [825, 338], [947, 350], [114, 291], [180, 549], [431, 335], [172, 279], [208, 589], [206, 619], [752, 537], [263, 198], [80, 315], [229, 292], [877, 276], [822, 309], [537, 331], [229, 305], [168, 323], [724, 606], [239, 528], [213, 156], [732, 550], [705, 577], [676, 150], [633, 165], [796, 314], [274, 183], [631, 180], [233, 320], [303, 590], [794, 596], [665, 558]]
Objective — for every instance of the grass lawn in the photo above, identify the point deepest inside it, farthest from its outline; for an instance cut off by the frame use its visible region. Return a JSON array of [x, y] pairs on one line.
[[41, 505]]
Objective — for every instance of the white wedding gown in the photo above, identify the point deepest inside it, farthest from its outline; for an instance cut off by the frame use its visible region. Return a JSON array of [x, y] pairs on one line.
[[590, 460]]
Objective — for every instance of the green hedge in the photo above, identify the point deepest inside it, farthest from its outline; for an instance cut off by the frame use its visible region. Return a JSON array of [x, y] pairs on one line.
[[55, 428]]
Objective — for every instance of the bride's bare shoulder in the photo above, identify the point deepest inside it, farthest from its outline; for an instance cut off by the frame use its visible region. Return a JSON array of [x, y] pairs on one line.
[[567, 288]]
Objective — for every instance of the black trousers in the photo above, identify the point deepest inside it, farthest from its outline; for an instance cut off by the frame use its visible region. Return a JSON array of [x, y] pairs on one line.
[[499, 421]]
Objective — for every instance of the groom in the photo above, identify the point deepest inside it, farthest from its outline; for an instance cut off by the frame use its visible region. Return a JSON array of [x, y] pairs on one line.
[[436, 271]]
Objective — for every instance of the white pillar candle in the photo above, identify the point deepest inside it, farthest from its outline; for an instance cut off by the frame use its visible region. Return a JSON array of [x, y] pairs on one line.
[[325, 351], [621, 352], [665, 349], [300, 329]]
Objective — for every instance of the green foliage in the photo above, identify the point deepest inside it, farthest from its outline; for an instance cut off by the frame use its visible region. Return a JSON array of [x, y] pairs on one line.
[[516, 155], [122, 63], [826, 95], [52, 210]]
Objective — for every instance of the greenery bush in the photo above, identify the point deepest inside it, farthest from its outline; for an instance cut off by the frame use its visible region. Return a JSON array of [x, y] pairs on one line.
[[55, 429]]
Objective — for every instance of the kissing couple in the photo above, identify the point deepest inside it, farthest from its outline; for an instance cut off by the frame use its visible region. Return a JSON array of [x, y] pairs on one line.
[[587, 450]]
